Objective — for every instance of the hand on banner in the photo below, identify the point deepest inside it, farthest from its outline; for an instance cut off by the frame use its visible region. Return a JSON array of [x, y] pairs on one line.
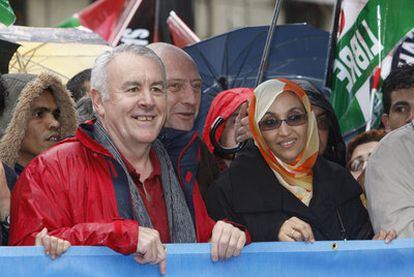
[[242, 124], [54, 247], [387, 236], [226, 241], [295, 229], [150, 249]]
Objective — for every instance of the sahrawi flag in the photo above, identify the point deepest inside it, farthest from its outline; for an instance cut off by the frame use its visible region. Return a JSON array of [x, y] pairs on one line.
[[7, 16], [108, 18], [370, 34]]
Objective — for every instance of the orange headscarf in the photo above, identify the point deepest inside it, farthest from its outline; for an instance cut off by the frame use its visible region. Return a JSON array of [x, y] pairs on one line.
[[297, 176]]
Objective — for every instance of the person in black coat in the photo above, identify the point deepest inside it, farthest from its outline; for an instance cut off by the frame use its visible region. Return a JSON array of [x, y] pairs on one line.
[[331, 144], [279, 188]]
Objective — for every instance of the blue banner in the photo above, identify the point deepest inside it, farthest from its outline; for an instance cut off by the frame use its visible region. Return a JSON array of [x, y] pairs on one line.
[[343, 258]]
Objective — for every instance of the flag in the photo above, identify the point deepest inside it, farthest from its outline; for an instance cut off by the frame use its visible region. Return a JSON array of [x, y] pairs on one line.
[[130, 21], [108, 18], [370, 33], [7, 16], [181, 34], [149, 24]]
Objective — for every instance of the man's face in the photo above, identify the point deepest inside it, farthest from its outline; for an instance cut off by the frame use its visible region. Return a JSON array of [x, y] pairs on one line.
[[401, 110], [43, 128], [136, 109], [184, 91]]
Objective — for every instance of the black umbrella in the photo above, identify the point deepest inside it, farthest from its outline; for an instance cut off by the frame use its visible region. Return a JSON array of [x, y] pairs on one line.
[[233, 59], [7, 49]]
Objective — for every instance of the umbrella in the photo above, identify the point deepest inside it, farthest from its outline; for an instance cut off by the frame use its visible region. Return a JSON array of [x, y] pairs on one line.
[[63, 52], [233, 59], [7, 50]]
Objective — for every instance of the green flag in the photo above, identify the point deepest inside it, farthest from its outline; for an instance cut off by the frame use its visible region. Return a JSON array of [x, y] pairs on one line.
[[71, 22], [369, 32], [7, 16]]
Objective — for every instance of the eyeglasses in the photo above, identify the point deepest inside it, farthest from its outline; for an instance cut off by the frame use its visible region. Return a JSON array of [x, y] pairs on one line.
[[273, 123], [323, 121], [359, 163]]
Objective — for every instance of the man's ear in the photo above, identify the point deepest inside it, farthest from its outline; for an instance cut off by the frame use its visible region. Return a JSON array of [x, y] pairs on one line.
[[97, 102], [385, 119]]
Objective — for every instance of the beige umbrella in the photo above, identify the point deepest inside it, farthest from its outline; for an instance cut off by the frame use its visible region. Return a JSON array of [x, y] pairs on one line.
[[63, 52]]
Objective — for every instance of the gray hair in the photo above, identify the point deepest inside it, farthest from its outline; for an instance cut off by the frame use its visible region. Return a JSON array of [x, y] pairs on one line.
[[99, 74]]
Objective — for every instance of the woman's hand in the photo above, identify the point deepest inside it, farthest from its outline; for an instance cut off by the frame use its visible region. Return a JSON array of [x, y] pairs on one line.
[[242, 128], [386, 236], [54, 247], [295, 229]]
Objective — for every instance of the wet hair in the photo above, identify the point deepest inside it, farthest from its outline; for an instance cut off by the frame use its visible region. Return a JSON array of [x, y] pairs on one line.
[[336, 148], [365, 137], [76, 85], [401, 77], [99, 74]]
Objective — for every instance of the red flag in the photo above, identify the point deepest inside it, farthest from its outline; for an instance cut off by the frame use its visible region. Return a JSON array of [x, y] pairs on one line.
[[181, 34], [109, 18]]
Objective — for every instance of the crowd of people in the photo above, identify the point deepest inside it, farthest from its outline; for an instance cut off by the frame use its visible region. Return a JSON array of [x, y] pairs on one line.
[[112, 160]]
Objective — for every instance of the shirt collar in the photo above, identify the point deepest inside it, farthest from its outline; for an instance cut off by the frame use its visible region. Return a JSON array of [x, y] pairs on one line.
[[156, 167]]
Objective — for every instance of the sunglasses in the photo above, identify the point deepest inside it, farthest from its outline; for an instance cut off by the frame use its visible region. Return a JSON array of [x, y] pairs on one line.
[[273, 123]]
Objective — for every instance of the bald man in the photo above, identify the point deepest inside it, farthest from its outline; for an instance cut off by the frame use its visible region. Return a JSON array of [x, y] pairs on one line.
[[194, 164], [184, 86]]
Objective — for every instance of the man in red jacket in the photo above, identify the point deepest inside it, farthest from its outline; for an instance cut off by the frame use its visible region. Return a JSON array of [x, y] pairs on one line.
[[113, 184]]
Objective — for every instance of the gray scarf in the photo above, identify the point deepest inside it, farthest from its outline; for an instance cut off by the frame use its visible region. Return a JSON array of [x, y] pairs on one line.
[[180, 222]]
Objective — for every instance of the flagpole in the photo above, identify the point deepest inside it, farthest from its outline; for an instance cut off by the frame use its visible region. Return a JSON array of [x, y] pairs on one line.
[[377, 75], [266, 51], [156, 36], [332, 42], [132, 6]]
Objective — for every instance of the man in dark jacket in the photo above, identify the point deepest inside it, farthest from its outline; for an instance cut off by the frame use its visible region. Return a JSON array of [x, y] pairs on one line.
[[194, 164], [113, 184]]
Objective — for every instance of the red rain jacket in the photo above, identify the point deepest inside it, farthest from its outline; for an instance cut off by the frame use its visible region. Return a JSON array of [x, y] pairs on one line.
[[69, 190]]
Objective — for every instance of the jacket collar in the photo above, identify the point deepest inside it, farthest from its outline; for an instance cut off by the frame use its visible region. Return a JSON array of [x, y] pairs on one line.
[[85, 135]]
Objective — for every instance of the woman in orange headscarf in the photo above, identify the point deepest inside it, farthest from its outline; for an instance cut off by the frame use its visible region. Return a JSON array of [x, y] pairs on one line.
[[279, 188]]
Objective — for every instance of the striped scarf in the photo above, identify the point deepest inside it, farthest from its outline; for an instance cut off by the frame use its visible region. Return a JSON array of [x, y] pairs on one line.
[[180, 223]]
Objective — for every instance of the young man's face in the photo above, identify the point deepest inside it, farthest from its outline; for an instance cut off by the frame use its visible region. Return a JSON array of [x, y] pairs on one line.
[[401, 110], [43, 128]]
